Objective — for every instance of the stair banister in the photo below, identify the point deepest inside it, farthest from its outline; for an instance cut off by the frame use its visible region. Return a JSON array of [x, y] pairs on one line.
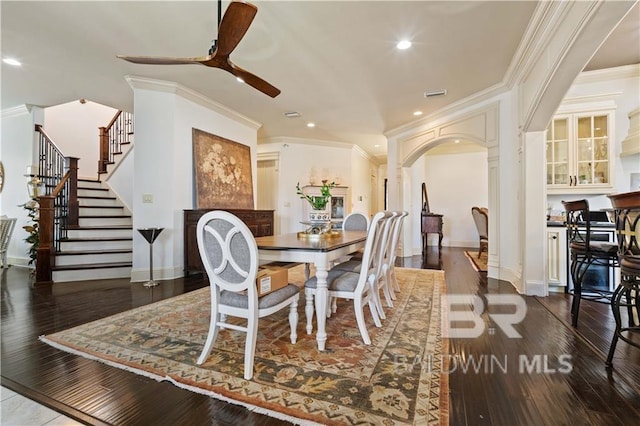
[[112, 137], [58, 209], [45, 258]]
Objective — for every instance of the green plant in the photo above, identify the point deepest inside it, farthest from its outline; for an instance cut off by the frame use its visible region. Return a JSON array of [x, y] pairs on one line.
[[318, 202], [32, 229]]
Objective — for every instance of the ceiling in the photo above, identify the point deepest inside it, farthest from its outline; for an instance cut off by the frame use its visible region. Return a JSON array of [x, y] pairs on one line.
[[335, 62]]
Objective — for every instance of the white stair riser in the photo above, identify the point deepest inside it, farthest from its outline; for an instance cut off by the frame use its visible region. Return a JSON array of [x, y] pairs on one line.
[[90, 274], [97, 202], [95, 233], [84, 192], [90, 184], [96, 245], [90, 259], [106, 221], [100, 211]]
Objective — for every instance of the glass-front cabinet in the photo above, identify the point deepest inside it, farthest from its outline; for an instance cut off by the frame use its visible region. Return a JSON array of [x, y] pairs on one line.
[[579, 153]]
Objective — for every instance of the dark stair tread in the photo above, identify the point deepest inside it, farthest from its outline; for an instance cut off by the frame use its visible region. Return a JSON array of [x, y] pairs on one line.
[[89, 180], [94, 239], [92, 266], [111, 216], [99, 227], [103, 251], [86, 188], [101, 207], [96, 197]]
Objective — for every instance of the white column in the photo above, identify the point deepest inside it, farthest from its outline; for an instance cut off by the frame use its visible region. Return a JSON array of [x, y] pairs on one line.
[[534, 215]]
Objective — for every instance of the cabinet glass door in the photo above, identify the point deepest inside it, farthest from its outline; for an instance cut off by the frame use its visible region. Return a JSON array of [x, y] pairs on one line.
[[558, 152], [593, 150]]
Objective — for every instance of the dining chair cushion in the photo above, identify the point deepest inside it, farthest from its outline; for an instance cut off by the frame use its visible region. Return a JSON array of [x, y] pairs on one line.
[[332, 275], [630, 265], [601, 248], [240, 300], [597, 247], [349, 266], [345, 281]]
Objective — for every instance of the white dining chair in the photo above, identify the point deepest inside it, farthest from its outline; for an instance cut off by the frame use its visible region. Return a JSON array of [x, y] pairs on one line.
[[7, 225], [230, 257], [382, 258], [355, 221], [389, 271], [356, 286], [379, 258]]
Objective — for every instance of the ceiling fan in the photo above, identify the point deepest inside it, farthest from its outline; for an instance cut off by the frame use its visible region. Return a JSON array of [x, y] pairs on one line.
[[231, 28]]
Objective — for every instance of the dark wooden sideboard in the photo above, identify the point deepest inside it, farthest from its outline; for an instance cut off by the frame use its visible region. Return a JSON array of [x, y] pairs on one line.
[[431, 224], [260, 222]]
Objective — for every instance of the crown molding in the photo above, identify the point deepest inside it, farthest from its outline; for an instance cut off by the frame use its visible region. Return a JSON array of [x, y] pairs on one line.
[[143, 83], [471, 103], [319, 142], [15, 111], [608, 74]]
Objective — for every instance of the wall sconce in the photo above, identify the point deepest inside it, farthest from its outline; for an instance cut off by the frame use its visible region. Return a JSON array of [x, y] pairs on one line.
[[35, 186]]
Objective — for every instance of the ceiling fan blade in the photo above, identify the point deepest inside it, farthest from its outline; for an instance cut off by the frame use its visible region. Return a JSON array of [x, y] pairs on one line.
[[252, 80], [234, 25], [158, 60]]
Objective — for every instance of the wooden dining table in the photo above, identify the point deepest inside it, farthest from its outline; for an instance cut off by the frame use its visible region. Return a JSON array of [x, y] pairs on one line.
[[320, 252]]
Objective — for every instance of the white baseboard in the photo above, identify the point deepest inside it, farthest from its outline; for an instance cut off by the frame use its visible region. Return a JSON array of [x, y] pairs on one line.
[[139, 275]]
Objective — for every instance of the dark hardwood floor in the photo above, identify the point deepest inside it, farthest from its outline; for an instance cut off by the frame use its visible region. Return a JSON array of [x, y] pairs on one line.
[[554, 374]]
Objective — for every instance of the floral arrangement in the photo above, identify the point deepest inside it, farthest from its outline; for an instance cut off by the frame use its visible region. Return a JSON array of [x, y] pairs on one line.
[[32, 239], [318, 202]]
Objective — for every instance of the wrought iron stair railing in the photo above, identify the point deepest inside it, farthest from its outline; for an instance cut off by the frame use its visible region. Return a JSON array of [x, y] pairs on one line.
[[112, 137], [59, 205]]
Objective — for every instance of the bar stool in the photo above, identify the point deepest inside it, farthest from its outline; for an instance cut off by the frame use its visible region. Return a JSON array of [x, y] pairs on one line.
[[626, 298], [586, 253]]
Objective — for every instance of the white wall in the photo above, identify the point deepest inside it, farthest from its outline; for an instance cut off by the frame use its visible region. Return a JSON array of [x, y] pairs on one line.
[[455, 183], [16, 153], [334, 161], [165, 115], [361, 171], [73, 127]]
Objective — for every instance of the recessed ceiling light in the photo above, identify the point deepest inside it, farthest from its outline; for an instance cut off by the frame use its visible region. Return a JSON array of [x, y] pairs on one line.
[[417, 113], [376, 146], [311, 124], [403, 44], [11, 61], [456, 141]]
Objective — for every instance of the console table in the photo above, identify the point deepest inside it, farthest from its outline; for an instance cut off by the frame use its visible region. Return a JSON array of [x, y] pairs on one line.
[[431, 224], [260, 222]]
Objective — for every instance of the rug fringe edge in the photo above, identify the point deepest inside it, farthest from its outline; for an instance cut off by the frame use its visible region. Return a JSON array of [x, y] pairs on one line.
[[250, 407], [62, 347], [158, 378]]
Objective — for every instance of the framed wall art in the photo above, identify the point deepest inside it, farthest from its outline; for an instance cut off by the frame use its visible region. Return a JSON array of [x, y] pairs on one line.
[[222, 171]]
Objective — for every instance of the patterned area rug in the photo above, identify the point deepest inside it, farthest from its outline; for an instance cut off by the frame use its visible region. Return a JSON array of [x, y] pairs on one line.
[[480, 264], [397, 380]]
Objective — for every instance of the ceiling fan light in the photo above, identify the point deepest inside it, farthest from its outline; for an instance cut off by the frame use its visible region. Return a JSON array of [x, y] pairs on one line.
[[310, 125], [403, 44]]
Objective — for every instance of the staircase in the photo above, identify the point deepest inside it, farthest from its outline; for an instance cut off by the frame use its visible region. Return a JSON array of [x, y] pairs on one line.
[[101, 246]]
